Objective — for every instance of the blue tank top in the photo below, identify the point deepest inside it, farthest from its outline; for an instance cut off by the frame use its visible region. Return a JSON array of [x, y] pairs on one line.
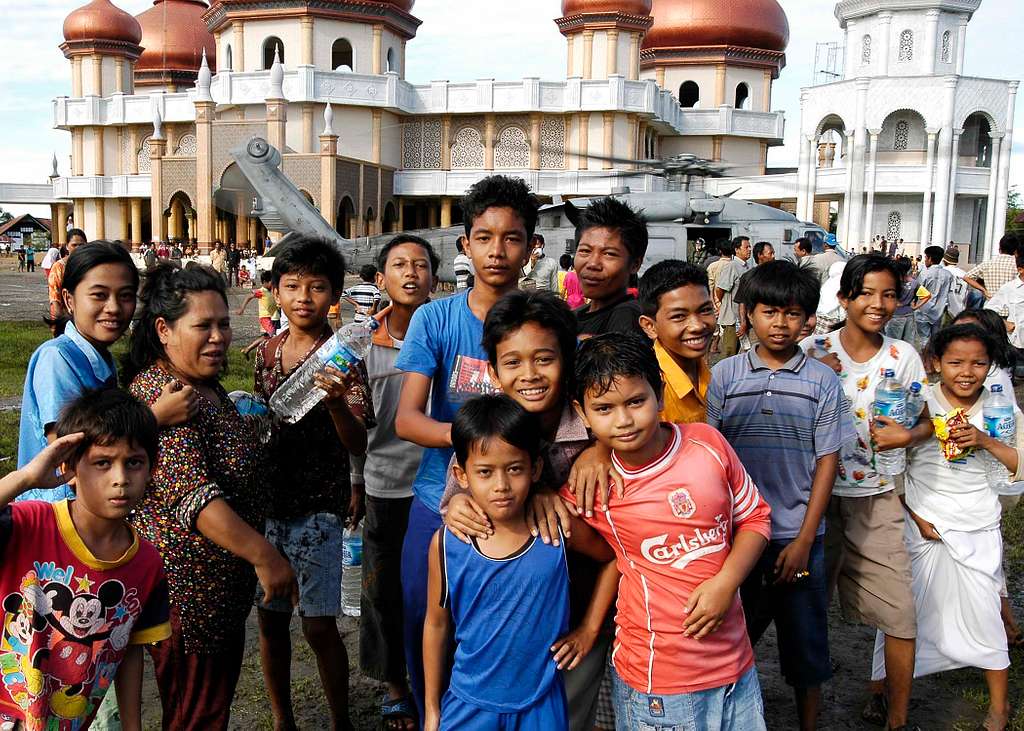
[[507, 614]]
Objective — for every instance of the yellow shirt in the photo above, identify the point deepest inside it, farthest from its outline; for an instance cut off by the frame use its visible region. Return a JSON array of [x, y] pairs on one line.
[[267, 305], [684, 404]]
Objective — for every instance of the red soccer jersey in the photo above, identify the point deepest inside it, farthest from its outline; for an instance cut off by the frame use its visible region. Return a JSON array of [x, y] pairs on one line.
[[68, 616], [672, 530]]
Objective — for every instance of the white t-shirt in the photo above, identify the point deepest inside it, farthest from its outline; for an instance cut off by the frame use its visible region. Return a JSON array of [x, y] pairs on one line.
[[857, 475]]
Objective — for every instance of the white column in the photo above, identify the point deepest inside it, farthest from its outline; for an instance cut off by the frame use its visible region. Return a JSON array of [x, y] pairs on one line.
[[954, 164], [988, 244], [931, 35], [1004, 166], [961, 43], [802, 172], [886, 19], [812, 177], [869, 213], [926, 210], [860, 134], [848, 190], [942, 170]]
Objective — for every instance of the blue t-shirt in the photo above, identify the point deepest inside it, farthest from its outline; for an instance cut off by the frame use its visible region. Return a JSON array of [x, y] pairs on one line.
[[58, 372], [443, 343]]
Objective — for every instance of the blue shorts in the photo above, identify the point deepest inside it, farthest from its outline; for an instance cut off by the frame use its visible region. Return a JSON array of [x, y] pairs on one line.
[[800, 613], [312, 545], [547, 714], [734, 707]]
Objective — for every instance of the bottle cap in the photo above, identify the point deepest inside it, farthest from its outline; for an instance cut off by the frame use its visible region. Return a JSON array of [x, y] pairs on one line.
[[915, 387], [997, 388], [889, 373]]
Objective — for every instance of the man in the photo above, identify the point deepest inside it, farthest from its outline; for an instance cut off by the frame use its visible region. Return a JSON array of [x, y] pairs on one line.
[[149, 258], [701, 253], [463, 267], [763, 251], [938, 282], [542, 270], [234, 264], [996, 271], [802, 252], [725, 292], [219, 260], [958, 291], [821, 262]]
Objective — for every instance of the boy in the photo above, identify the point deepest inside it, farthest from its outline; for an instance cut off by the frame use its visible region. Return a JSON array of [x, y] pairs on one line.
[[611, 242], [726, 287], [507, 598], [687, 530], [266, 310], [408, 267], [939, 282], [445, 364], [786, 416], [364, 297], [81, 592], [309, 489], [679, 316]]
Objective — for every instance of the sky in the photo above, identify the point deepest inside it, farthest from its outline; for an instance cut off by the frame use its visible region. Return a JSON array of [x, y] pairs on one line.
[[455, 42]]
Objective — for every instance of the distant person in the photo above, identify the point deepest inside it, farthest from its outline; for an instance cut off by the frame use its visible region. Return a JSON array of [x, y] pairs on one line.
[[364, 297], [234, 264], [725, 292], [823, 261], [219, 260], [543, 270], [52, 255], [463, 266], [21, 259], [763, 252], [76, 237], [938, 281], [149, 257], [163, 251], [700, 253], [894, 247], [30, 258], [267, 310], [959, 293], [997, 270], [802, 252], [570, 288]]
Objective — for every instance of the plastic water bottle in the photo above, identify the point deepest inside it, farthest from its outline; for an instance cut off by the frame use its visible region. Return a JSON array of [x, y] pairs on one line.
[[351, 571], [1001, 424], [890, 401], [915, 405], [299, 393]]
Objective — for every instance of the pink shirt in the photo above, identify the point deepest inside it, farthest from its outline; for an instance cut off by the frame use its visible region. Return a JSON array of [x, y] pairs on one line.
[[573, 292], [671, 531]]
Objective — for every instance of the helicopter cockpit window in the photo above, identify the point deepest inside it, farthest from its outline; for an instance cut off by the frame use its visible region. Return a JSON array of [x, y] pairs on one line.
[[787, 235]]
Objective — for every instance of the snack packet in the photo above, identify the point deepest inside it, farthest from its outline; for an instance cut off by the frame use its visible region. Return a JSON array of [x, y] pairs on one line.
[[942, 423]]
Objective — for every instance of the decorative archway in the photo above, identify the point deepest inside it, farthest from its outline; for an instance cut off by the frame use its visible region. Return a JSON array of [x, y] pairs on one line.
[[742, 96], [271, 44], [346, 218], [468, 149], [689, 95], [342, 56], [390, 220]]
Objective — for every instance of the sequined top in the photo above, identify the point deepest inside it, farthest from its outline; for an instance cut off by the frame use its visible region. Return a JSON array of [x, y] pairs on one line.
[[214, 455]]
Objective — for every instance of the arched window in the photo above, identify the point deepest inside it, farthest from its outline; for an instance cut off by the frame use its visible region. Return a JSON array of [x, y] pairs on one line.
[[947, 47], [269, 46], [230, 66], [689, 94], [390, 63], [902, 135], [742, 96], [865, 50], [906, 46], [341, 55], [894, 227]]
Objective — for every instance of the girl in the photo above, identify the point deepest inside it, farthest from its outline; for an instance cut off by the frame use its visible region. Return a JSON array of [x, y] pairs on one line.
[[98, 292], [954, 540]]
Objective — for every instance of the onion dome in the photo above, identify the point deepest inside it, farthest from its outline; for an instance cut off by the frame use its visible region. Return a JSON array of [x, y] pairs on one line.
[[101, 20], [759, 24], [626, 7], [174, 37]]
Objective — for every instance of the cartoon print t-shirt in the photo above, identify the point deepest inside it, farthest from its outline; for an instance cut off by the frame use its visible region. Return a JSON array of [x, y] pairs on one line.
[[443, 343], [68, 616], [857, 474]]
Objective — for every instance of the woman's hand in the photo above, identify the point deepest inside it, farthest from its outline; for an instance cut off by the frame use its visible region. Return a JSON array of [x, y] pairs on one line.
[[545, 511], [571, 649], [277, 578], [889, 434], [927, 530], [465, 518], [176, 404]]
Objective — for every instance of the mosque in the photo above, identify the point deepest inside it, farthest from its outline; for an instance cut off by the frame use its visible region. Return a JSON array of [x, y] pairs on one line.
[[897, 142]]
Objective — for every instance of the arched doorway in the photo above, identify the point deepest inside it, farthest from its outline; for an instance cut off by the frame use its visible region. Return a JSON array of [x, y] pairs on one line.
[[390, 220], [181, 216], [346, 218], [689, 95], [269, 46], [341, 55]]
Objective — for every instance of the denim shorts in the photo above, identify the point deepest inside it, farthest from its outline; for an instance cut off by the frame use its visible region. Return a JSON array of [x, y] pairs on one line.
[[312, 545], [734, 707]]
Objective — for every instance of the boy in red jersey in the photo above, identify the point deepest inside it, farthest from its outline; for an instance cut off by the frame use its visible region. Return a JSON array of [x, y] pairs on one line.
[[688, 528]]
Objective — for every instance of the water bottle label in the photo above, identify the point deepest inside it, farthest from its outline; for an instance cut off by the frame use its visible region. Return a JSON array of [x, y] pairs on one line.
[[343, 359], [1000, 427], [351, 554], [895, 410]]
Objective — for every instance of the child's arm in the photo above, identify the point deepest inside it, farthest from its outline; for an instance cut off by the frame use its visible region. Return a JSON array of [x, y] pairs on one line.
[[411, 420], [245, 304], [571, 649], [888, 434], [128, 686], [792, 560], [710, 601], [435, 638], [968, 435], [42, 471], [591, 478]]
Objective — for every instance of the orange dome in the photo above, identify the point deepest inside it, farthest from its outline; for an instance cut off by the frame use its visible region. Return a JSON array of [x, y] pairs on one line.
[[174, 36], [101, 20], [758, 24], [626, 7]]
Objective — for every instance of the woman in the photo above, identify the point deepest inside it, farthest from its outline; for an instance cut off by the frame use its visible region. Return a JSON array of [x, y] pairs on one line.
[[204, 508]]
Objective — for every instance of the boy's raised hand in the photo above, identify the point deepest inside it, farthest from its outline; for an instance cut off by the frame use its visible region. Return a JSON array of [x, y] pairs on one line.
[[707, 607], [591, 477], [44, 471], [571, 649], [465, 518], [545, 511]]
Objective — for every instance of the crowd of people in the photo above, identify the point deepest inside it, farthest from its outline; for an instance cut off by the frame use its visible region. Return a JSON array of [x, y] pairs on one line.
[[572, 520]]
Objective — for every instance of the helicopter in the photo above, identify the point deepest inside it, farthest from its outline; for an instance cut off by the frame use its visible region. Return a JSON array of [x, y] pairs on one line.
[[676, 217]]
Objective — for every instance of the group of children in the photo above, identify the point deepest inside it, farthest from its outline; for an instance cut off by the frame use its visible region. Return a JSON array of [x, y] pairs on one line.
[[704, 504]]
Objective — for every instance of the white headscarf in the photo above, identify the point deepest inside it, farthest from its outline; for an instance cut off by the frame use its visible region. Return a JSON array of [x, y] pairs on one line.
[[828, 304]]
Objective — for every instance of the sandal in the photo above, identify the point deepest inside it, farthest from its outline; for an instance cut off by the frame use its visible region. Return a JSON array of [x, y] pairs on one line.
[[400, 710], [876, 710]]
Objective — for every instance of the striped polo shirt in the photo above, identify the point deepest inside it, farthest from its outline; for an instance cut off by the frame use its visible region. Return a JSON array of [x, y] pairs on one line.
[[780, 422]]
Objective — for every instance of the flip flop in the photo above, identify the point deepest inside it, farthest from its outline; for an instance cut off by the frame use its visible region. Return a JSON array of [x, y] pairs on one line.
[[876, 710], [398, 709]]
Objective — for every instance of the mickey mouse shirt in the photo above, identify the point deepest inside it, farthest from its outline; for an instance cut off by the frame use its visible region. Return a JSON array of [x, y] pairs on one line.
[[68, 616]]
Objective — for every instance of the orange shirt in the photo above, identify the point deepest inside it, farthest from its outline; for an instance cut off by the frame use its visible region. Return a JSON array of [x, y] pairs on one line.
[[671, 531], [53, 284], [684, 402]]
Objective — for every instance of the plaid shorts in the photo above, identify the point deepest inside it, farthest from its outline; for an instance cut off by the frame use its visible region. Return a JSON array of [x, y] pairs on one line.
[[605, 718]]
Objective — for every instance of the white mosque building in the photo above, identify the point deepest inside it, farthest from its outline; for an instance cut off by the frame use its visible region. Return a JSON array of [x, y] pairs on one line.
[[158, 101]]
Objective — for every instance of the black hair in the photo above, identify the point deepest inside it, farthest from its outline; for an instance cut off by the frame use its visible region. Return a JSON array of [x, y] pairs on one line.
[[1020, 260], [737, 242], [851, 284], [494, 416], [266, 276], [107, 416], [603, 358], [991, 322], [500, 191], [759, 248], [94, 254], [804, 244], [615, 215], [1008, 244], [165, 295], [519, 307], [368, 272], [77, 232], [540, 238], [435, 260], [903, 267], [565, 261], [934, 253], [664, 277], [782, 283], [310, 255], [725, 248], [459, 241], [944, 337]]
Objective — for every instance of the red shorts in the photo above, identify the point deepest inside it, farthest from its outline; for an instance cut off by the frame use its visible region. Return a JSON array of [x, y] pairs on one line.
[[267, 325]]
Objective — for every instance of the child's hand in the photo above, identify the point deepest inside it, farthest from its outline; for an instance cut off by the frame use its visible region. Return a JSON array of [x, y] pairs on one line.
[[465, 518], [176, 404], [571, 649], [832, 361], [356, 506], [335, 384], [791, 564], [707, 607], [967, 435], [589, 479], [927, 530], [545, 512], [889, 434], [431, 720], [42, 471]]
